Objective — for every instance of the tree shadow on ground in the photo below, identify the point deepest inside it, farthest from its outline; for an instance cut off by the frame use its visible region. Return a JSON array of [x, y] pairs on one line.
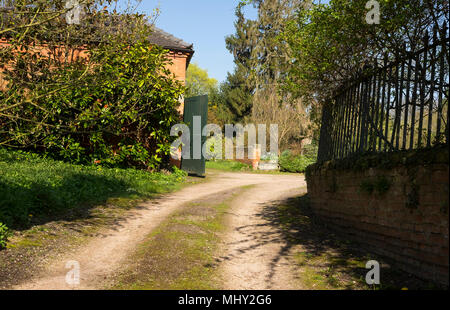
[[22, 207], [63, 216], [323, 258]]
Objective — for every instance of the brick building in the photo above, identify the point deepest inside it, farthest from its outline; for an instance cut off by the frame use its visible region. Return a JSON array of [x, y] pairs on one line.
[[180, 52], [180, 55]]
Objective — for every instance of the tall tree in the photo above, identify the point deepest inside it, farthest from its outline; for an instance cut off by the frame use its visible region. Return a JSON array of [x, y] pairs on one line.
[[237, 95], [237, 91], [270, 63], [263, 58], [270, 58]]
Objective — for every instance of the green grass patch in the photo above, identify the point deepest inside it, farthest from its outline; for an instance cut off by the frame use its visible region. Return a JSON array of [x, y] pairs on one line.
[[228, 165], [33, 188], [234, 166], [330, 270]]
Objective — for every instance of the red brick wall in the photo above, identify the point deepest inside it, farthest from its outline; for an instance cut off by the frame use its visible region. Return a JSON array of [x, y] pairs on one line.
[[179, 67], [407, 223]]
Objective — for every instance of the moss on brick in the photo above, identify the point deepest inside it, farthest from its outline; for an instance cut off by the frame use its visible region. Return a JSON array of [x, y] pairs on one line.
[[395, 203], [361, 162]]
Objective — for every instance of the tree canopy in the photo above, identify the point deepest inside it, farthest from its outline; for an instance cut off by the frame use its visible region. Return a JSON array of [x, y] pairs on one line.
[[332, 42], [305, 51], [198, 81]]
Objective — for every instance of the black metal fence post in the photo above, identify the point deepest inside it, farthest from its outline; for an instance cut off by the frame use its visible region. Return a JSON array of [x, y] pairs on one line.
[[325, 138]]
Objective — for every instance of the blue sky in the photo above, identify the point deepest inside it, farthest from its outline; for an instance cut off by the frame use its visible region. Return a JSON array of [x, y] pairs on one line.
[[205, 23]]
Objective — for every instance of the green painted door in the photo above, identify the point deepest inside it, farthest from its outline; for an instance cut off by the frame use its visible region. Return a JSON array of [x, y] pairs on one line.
[[196, 117]]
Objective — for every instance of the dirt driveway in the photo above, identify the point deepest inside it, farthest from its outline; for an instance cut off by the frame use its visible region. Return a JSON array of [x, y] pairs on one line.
[[251, 255], [255, 251]]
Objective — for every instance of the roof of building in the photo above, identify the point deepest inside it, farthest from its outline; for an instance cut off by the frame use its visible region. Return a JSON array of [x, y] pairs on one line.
[[158, 37], [170, 42], [166, 40]]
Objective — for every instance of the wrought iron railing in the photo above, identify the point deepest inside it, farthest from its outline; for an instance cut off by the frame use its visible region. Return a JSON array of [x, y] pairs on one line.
[[400, 105]]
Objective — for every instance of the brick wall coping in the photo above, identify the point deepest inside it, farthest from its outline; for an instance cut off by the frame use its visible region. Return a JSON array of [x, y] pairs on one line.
[[434, 155]]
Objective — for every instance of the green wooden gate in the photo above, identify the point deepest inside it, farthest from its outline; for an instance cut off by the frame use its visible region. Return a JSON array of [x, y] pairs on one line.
[[195, 108]]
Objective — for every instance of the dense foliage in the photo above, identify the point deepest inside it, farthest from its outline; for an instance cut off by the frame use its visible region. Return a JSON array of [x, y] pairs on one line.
[[94, 93], [237, 90], [290, 162], [4, 234], [120, 116], [236, 96], [332, 42]]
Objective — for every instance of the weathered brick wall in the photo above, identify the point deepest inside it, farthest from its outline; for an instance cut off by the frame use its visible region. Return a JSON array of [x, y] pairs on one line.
[[179, 67], [398, 208]]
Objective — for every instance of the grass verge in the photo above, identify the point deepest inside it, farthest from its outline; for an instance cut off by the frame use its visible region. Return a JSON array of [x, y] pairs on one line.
[[179, 254], [52, 207], [295, 163], [35, 189], [228, 165], [234, 166]]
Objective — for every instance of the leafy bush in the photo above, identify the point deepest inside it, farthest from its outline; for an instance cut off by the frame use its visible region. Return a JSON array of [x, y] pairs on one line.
[[4, 234], [214, 147], [119, 115], [269, 156], [311, 150], [32, 186], [295, 163]]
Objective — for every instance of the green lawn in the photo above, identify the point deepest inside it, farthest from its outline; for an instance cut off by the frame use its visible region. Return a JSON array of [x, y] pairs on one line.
[[287, 166], [32, 187], [227, 165]]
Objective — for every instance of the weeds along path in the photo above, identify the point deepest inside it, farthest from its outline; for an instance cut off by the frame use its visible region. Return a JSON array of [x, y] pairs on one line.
[[102, 256], [255, 255]]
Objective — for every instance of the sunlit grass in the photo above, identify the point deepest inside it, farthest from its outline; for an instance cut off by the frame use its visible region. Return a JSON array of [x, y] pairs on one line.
[[32, 186]]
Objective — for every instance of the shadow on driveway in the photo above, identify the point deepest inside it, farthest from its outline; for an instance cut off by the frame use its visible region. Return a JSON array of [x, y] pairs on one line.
[[322, 258]]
